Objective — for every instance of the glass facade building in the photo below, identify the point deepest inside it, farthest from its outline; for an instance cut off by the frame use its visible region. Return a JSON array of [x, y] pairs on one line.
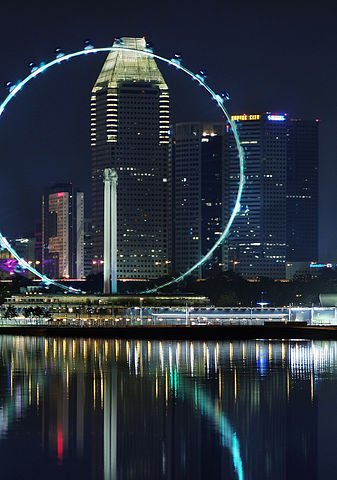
[[87, 247], [257, 242], [302, 190], [278, 217], [130, 117], [199, 182]]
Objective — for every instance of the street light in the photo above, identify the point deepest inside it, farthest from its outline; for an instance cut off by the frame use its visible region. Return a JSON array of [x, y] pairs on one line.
[[141, 309], [235, 263], [262, 303]]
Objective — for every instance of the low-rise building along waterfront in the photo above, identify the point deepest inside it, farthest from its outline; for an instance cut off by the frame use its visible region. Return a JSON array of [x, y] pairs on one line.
[[92, 310]]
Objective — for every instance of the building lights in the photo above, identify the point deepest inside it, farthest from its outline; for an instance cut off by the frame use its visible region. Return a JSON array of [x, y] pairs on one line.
[[245, 117], [200, 78], [276, 118]]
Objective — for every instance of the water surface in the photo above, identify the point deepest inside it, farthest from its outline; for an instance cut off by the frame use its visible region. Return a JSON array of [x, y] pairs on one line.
[[118, 409]]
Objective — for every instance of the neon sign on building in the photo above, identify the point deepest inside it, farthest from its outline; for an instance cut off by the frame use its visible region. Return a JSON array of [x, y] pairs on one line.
[[245, 117]]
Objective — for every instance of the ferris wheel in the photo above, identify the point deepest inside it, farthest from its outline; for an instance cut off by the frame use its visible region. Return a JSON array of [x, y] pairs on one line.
[[176, 62]]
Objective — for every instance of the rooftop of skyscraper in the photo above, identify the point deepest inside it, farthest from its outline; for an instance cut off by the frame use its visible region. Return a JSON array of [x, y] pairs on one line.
[[128, 66]]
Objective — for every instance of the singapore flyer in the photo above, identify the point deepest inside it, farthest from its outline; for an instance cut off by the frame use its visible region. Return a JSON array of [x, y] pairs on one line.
[[175, 62]]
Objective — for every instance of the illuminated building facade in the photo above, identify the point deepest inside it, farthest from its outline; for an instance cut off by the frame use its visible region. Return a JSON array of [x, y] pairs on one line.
[[199, 174], [257, 242], [38, 243], [278, 221], [87, 247], [130, 133], [8, 264], [63, 232], [25, 247], [302, 190]]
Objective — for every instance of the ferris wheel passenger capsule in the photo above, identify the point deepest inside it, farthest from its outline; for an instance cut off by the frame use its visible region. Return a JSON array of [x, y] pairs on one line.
[[149, 47], [118, 42], [88, 44], [19, 268], [32, 67], [225, 96], [10, 87], [74, 290], [59, 53], [177, 58], [201, 75]]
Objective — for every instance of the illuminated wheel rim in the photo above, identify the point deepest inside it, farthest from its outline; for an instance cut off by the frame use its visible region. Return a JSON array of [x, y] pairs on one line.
[[220, 102]]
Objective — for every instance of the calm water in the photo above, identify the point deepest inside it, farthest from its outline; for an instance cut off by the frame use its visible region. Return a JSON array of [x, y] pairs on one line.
[[116, 409]]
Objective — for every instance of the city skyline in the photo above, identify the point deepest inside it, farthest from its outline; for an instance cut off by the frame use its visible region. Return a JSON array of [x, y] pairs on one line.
[[119, 112], [289, 67], [260, 80], [130, 121], [168, 248]]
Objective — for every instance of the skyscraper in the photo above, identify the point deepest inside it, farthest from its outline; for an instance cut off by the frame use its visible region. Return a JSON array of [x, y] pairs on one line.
[[63, 232], [38, 242], [130, 119], [257, 242], [302, 190], [199, 182], [25, 248], [278, 220], [87, 247]]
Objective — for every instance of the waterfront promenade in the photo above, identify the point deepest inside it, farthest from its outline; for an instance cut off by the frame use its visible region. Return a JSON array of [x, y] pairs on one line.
[[160, 317], [268, 330]]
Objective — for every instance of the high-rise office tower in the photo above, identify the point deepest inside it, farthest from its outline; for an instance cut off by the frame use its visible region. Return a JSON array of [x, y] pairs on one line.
[[302, 190], [130, 133], [88, 266], [63, 232], [199, 182], [278, 218], [25, 248], [38, 243], [257, 242]]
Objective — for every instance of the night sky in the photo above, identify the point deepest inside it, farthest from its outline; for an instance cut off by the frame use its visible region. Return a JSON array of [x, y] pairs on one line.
[[275, 56]]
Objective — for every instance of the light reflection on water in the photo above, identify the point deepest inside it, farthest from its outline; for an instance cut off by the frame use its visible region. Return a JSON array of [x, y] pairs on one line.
[[125, 409]]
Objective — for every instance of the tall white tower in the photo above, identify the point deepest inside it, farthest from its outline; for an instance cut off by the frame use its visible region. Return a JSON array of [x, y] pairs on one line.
[[110, 230]]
